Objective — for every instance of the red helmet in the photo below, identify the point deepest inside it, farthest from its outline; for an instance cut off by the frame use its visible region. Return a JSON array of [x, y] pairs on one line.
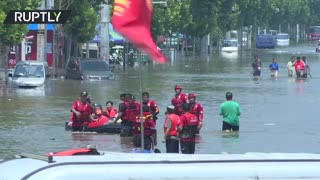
[[177, 87], [191, 95]]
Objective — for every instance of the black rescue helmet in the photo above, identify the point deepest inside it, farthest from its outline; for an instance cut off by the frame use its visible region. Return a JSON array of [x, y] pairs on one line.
[[97, 105], [82, 94], [145, 94]]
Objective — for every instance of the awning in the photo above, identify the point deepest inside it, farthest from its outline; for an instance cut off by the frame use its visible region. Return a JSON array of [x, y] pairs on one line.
[[113, 36], [35, 27]]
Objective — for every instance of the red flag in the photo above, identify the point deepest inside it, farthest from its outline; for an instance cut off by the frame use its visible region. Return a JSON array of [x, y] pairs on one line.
[[132, 19]]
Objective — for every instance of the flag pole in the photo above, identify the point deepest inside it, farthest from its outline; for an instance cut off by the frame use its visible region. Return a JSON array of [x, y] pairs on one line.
[[141, 105]]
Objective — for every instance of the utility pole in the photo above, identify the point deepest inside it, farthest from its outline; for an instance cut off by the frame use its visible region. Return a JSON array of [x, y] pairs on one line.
[[41, 36], [104, 32], [45, 38]]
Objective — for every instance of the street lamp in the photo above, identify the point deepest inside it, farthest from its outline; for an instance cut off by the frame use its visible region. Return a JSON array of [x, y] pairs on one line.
[[277, 10]]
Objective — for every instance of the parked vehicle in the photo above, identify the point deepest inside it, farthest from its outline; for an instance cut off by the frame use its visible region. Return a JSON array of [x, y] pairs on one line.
[[313, 33], [81, 69], [283, 39], [230, 48], [230, 45], [29, 74], [265, 41]]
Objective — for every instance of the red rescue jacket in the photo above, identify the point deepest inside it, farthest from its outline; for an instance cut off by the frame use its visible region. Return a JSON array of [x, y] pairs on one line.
[[177, 100], [153, 108], [189, 122], [197, 109], [299, 66], [84, 109], [131, 112]]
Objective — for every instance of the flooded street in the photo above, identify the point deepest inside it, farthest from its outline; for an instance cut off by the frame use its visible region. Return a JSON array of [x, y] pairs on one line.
[[277, 115]]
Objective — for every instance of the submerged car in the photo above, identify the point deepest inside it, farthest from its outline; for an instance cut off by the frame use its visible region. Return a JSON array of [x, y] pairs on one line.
[[230, 45], [283, 39], [91, 69], [230, 48], [29, 74]]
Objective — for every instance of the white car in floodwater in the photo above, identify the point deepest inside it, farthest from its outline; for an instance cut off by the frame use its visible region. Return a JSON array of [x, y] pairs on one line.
[[283, 39], [230, 48], [29, 74], [230, 45]]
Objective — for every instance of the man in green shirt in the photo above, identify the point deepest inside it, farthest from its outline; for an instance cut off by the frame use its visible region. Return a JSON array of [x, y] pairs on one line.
[[230, 111]]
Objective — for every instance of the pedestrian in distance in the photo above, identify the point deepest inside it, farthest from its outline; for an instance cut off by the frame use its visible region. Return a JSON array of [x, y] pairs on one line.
[[299, 67], [230, 112], [307, 68], [256, 67], [274, 69], [290, 67]]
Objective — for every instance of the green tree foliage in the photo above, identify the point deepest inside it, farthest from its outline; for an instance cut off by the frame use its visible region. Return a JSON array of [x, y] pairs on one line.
[[314, 15], [81, 25], [175, 17], [13, 33], [228, 15], [204, 16]]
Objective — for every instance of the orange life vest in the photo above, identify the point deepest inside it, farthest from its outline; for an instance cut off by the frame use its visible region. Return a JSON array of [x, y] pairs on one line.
[[174, 122], [111, 113], [72, 152]]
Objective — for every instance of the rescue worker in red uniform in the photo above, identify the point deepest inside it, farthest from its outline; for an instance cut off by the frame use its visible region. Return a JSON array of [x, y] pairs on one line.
[[196, 109], [170, 130], [149, 130], [187, 128], [128, 111], [153, 108], [178, 99], [110, 111], [98, 119], [122, 98], [81, 111]]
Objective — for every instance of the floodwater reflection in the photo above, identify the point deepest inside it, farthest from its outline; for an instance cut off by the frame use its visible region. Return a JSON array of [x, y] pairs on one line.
[[277, 112]]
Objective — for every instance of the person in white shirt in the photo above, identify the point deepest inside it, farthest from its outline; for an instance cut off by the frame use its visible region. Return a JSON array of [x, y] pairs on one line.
[[290, 67]]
